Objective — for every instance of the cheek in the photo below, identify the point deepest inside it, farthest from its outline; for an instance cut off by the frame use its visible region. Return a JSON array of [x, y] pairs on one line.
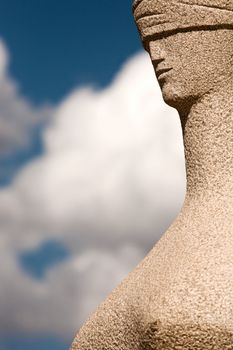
[[193, 78]]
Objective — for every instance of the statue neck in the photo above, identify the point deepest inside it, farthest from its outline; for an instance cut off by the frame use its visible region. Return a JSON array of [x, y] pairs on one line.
[[208, 143]]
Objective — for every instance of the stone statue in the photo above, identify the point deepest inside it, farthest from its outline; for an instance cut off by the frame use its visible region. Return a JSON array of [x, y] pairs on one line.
[[181, 295]]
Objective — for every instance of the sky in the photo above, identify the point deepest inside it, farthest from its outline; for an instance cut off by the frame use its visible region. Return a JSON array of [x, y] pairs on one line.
[[91, 163]]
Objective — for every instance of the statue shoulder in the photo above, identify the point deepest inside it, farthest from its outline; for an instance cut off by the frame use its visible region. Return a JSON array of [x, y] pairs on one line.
[[116, 324], [120, 321]]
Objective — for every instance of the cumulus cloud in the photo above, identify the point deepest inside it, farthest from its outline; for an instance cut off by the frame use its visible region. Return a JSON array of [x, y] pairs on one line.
[[110, 181]]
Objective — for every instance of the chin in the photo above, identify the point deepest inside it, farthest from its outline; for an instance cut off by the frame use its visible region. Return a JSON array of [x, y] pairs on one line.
[[177, 99], [171, 96]]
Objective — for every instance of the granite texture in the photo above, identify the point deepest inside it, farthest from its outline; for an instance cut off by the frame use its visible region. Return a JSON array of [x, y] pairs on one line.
[[181, 295], [160, 16]]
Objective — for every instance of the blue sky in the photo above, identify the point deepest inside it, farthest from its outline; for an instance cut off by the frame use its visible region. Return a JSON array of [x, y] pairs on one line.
[[88, 178], [57, 45]]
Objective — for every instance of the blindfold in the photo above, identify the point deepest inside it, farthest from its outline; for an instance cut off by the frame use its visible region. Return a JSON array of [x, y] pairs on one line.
[[164, 16]]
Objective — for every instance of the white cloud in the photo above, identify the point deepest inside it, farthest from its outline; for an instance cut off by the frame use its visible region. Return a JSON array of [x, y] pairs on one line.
[[68, 294], [109, 183], [17, 116]]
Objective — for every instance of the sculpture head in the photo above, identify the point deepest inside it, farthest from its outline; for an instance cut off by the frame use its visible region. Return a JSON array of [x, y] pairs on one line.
[[192, 38]]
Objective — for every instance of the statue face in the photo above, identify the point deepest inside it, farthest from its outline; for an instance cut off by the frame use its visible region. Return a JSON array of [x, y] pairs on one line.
[[199, 62]]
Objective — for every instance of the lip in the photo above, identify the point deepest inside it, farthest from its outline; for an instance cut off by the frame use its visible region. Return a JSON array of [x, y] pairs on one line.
[[161, 72]]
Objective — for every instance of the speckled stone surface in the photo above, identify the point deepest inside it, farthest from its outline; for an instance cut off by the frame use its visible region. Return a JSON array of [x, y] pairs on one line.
[[163, 16], [181, 295]]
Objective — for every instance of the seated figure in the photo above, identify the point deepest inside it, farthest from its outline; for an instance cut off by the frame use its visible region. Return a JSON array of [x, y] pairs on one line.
[[181, 295]]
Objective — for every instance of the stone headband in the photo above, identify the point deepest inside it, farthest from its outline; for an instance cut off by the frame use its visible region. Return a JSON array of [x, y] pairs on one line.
[[160, 16]]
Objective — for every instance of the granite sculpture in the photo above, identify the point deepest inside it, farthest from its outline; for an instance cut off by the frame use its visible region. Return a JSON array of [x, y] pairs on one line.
[[181, 295]]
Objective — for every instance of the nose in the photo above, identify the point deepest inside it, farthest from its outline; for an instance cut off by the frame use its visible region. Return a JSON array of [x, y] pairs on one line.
[[156, 51]]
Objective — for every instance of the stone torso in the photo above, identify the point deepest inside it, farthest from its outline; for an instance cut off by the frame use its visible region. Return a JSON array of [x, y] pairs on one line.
[[179, 297]]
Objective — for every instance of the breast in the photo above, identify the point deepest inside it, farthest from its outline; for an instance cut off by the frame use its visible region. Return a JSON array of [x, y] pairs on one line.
[[186, 336]]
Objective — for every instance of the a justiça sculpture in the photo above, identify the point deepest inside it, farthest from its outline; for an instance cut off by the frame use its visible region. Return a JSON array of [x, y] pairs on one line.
[[181, 295]]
